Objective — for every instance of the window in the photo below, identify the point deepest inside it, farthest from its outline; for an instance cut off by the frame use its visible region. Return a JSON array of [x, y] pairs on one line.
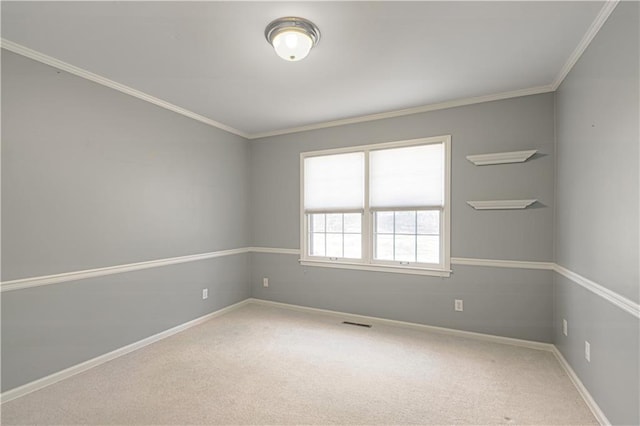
[[381, 207]]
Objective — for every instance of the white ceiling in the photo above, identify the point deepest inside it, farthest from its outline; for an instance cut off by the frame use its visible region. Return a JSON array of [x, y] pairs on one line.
[[211, 58]]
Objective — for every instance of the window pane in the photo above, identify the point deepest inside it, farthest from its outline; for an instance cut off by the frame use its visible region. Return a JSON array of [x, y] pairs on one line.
[[352, 246], [384, 247], [334, 222], [405, 248], [317, 223], [384, 222], [429, 222], [327, 239], [334, 245], [353, 223], [406, 222], [334, 181], [316, 245], [404, 240], [428, 249]]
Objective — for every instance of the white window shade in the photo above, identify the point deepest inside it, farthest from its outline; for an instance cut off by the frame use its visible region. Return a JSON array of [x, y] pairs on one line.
[[407, 177], [334, 182]]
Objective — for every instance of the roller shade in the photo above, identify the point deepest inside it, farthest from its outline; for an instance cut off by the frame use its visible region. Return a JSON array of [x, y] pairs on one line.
[[334, 182], [407, 177]]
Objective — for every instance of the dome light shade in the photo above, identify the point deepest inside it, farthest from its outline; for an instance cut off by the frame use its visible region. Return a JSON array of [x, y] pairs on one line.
[[292, 38], [292, 45]]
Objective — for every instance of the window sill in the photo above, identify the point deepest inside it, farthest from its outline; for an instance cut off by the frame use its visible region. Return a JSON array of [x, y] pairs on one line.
[[377, 268]]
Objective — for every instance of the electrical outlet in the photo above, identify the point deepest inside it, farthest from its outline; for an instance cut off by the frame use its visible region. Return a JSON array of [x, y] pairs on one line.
[[205, 293], [587, 351], [458, 305], [565, 327], [265, 282]]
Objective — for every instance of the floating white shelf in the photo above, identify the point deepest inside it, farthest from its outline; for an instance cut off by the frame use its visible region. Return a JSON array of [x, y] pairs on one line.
[[501, 157], [500, 204]]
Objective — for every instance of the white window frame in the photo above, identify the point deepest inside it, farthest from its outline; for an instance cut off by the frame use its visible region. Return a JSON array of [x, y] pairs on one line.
[[367, 262]]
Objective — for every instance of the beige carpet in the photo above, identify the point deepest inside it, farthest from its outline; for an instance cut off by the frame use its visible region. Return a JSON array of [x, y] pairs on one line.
[[264, 365]]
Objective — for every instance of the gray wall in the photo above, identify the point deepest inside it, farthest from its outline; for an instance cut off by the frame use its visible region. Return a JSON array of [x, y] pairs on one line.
[[91, 178], [505, 302], [598, 212], [513, 303], [612, 375], [47, 329]]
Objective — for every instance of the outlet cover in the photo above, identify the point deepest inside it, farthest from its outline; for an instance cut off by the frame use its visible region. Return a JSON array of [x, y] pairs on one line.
[[265, 282], [565, 327], [458, 306], [205, 293]]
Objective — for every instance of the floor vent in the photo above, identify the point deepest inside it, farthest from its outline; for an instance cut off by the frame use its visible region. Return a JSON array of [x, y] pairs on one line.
[[357, 323]]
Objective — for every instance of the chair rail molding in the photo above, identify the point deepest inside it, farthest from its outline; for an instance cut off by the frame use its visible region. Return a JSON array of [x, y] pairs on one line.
[[497, 263], [620, 301], [611, 296], [110, 270]]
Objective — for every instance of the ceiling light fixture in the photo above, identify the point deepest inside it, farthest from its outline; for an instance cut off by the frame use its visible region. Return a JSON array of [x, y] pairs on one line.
[[291, 37]]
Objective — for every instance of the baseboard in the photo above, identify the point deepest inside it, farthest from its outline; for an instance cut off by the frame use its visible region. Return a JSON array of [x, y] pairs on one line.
[[584, 393], [441, 330], [79, 368], [586, 396], [94, 362]]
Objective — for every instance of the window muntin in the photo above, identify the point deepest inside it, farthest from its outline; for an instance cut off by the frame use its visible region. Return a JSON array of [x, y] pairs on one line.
[[402, 206], [335, 235], [407, 236]]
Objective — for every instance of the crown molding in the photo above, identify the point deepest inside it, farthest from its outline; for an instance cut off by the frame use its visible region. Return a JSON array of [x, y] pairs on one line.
[[64, 66], [593, 30], [408, 111], [88, 75], [601, 18]]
